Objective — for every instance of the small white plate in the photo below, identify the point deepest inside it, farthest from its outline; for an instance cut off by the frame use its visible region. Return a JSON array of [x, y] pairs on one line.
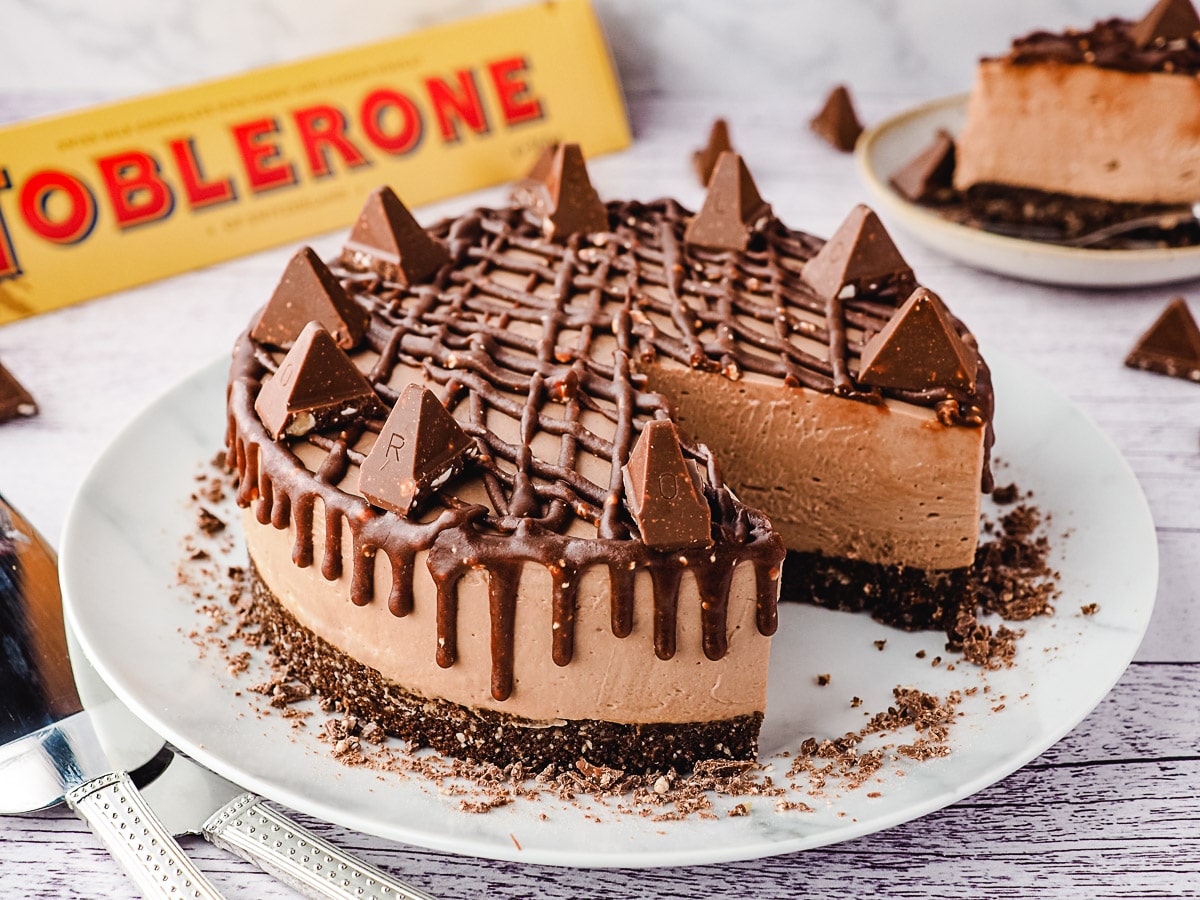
[[884, 149], [122, 544]]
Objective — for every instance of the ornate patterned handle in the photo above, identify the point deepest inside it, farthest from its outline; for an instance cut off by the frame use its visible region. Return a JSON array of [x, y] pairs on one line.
[[299, 858], [126, 825]]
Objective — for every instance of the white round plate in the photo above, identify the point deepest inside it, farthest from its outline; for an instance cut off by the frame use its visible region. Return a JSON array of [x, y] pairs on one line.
[[122, 544], [884, 149]]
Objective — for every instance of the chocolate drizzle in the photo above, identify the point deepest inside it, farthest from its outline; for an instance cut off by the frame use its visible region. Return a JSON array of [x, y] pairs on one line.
[[548, 337]]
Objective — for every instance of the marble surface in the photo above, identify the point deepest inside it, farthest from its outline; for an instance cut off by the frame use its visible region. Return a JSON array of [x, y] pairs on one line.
[[1110, 811]]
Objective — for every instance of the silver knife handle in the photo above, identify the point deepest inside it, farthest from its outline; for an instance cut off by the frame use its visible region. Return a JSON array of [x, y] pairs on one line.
[[300, 859], [125, 824]]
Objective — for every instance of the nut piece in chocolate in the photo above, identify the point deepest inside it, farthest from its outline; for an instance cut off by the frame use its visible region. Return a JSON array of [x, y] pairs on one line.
[[309, 292], [733, 209], [918, 349], [705, 159], [420, 448], [663, 492], [388, 241], [14, 399], [860, 255], [1171, 346], [837, 122], [316, 386]]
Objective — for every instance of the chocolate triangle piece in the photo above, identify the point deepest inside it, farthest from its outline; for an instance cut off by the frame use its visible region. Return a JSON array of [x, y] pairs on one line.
[[1169, 20], [928, 176], [572, 203], [837, 122], [663, 493], [1171, 346], [733, 209], [530, 191], [705, 159], [14, 399], [316, 386], [309, 292], [540, 170], [860, 254], [387, 240], [420, 448], [919, 348]]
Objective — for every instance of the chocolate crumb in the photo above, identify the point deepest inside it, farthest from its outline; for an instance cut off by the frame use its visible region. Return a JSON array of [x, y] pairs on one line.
[[1090, 609], [920, 654], [879, 645], [209, 523], [823, 680], [1005, 494]]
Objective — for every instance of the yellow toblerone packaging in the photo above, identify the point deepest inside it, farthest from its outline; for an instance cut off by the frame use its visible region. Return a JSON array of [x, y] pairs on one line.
[[105, 198]]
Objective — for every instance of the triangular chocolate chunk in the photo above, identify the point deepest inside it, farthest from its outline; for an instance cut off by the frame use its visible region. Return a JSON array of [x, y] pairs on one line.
[[928, 176], [733, 209], [540, 170], [530, 191], [705, 159], [1171, 346], [837, 122], [663, 492], [387, 240], [1169, 20], [420, 448], [14, 399], [316, 386], [860, 254], [919, 348], [309, 292], [572, 203]]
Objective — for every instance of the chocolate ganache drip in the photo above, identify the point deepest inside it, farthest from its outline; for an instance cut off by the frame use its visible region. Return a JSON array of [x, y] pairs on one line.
[[535, 347]]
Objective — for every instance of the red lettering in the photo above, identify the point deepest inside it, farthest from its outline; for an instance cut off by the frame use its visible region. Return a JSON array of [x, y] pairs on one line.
[[264, 169], [513, 91], [322, 129], [137, 193], [38, 196], [200, 193], [9, 267], [379, 105], [452, 107]]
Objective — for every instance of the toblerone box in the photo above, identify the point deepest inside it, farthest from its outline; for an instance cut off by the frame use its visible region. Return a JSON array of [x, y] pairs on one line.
[[117, 195]]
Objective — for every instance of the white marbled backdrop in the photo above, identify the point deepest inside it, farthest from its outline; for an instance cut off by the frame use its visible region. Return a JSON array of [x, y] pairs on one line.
[[711, 47]]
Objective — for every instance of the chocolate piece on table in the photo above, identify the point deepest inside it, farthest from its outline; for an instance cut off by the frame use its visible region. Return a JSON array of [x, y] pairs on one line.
[[733, 209], [837, 122], [705, 159], [387, 240], [572, 204], [1169, 20], [928, 176], [918, 349], [419, 449], [14, 399], [309, 292], [1171, 346], [663, 492], [316, 387], [860, 254]]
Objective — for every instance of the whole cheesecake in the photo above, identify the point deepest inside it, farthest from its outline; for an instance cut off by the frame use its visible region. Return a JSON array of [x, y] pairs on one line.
[[1084, 128], [519, 486]]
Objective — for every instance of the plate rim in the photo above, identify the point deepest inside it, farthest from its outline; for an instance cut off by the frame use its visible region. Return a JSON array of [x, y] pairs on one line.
[[567, 857]]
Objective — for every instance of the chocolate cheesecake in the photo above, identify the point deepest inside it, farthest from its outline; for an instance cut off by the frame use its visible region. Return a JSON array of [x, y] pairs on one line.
[[560, 535], [1081, 129]]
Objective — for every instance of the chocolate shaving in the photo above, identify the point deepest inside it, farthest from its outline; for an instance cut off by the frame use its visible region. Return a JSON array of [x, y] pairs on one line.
[[1169, 20], [919, 349], [420, 448], [705, 159], [733, 209], [315, 387], [837, 121], [387, 240], [861, 255], [1171, 346], [664, 494], [14, 399], [308, 292]]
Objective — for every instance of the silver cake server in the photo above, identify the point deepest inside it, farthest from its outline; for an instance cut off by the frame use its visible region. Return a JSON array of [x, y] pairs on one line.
[[190, 799], [50, 747]]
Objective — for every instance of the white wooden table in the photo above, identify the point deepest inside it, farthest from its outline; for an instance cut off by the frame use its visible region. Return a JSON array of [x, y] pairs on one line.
[[1112, 811]]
